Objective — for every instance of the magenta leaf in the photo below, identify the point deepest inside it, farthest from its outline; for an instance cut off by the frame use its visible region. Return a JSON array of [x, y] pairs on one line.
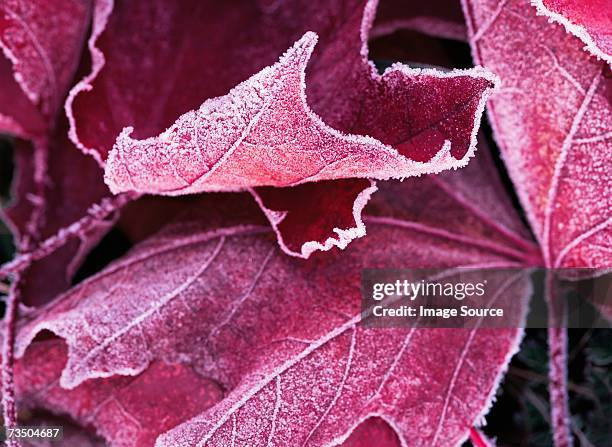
[[252, 354], [552, 122], [220, 311], [134, 86], [265, 132], [589, 20], [126, 411], [132, 412], [41, 46], [373, 431], [41, 41], [289, 382], [304, 217]]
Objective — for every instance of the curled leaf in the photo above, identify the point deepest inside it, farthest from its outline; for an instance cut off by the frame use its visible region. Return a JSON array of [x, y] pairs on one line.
[[264, 134], [308, 217], [278, 125]]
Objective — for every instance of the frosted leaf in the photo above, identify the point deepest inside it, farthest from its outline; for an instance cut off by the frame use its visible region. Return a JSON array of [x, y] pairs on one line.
[[53, 183], [41, 44], [209, 297], [589, 20], [552, 120], [125, 411]]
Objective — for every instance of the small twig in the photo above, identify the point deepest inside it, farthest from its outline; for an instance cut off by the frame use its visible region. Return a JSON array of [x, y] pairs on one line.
[[95, 214], [557, 387], [8, 385]]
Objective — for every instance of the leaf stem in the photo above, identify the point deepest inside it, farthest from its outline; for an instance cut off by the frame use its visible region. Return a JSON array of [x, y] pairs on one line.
[[8, 385], [95, 214], [479, 439], [557, 349]]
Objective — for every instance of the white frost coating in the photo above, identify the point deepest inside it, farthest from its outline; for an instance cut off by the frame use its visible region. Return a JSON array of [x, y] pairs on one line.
[[487, 23], [462, 357], [577, 30], [214, 177], [350, 324], [345, 235], [80, 328], [338, 393], [584, 236], [277, 405], [367, 21], [552, 128], [478, 72], [101, 13]]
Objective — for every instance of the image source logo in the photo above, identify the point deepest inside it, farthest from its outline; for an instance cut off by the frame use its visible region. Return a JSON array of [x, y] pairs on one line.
[[473, 298]]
